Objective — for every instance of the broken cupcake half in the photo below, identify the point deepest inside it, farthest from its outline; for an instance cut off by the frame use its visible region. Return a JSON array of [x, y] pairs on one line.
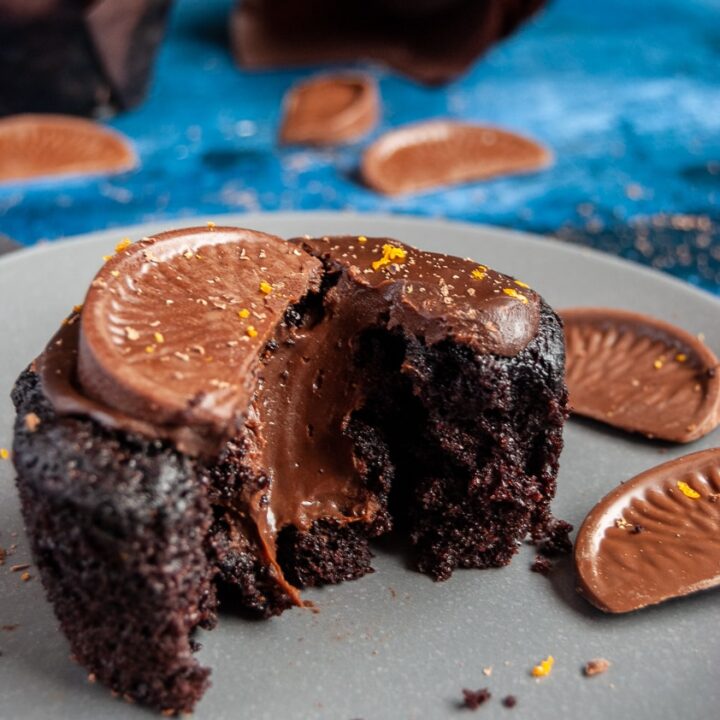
[[231, 411]]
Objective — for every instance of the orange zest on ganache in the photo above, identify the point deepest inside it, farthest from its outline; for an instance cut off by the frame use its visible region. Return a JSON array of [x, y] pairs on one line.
[[544, 668], [513, 293], [479, 273], [265, 287], [391, 254]]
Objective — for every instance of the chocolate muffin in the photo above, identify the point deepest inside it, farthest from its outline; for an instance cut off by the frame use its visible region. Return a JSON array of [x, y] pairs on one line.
[[432, 41], [80, 57], [230, 411]]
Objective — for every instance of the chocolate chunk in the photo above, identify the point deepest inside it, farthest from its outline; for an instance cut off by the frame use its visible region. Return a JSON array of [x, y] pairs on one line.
[[430, 155], [509, 701], [330, 109], [33, 146], [76, 57], [640, 374], [432, 41], [676, 554]]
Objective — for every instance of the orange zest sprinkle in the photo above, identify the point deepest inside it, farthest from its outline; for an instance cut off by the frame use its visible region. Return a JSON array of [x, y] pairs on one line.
[[658, 364], [265, 287], [681, 358], [391, 254], [115, 273], [211, 225], [521, 284], [513, 293], [544, 668], [687, 491], [149, 349], [362, 239], [159, 337], [77, 308], [250, 331], [4, 454], [106, 257], [124, 244], [479, 273], [244, 313]]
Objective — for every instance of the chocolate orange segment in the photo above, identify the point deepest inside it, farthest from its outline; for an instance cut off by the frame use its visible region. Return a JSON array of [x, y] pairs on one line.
[[433, 154], [655, 537], [35, 146], [330, 109], [172, 325], [640, 374]]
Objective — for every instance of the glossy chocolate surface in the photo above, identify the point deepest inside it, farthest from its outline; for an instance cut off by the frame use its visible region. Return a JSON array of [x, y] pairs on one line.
[[654, 537], [330, 109], [429, 155], [640, 374]]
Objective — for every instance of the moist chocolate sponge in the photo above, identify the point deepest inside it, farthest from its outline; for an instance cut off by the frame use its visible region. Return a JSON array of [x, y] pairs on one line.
[[454, 448]]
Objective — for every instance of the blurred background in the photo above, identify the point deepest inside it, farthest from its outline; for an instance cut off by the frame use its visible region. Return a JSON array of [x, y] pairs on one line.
[[625, 94]]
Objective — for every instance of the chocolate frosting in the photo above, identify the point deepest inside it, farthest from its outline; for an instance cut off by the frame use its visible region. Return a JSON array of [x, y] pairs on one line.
[[432, 41], [429, 155], [437, 296], [330, 109], [654, 537], [205, 335], [640, 374]]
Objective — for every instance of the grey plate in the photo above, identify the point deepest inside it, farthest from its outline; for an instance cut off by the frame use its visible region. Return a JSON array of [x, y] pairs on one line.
[[394, 644]]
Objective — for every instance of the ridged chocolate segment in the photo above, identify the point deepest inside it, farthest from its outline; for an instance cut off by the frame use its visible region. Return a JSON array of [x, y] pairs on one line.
[[34, 146], [654, 537], [640, 374], [172, 325], [330, 109], [429, 155]]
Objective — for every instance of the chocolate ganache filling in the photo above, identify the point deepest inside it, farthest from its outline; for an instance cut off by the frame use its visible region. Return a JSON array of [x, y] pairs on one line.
[[231, 343]]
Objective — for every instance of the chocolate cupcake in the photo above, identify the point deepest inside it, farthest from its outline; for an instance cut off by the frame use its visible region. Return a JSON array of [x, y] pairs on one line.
[[80, 57], [230, 410], [432, 41]]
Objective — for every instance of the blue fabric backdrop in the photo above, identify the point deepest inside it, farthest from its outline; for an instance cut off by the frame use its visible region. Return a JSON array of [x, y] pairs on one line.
[[627, 94]]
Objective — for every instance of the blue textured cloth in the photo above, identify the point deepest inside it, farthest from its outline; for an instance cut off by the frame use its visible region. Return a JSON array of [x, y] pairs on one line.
[[627, 95]]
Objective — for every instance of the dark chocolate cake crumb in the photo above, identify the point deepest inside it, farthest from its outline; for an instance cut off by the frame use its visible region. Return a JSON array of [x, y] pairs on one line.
[[475, 698], [556, 540], [541, 565], [510, 701], [9, 628], [3, 555], [20, 567]]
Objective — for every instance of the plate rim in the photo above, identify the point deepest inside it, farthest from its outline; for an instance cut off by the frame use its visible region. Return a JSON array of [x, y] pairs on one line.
[[519, 236]]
